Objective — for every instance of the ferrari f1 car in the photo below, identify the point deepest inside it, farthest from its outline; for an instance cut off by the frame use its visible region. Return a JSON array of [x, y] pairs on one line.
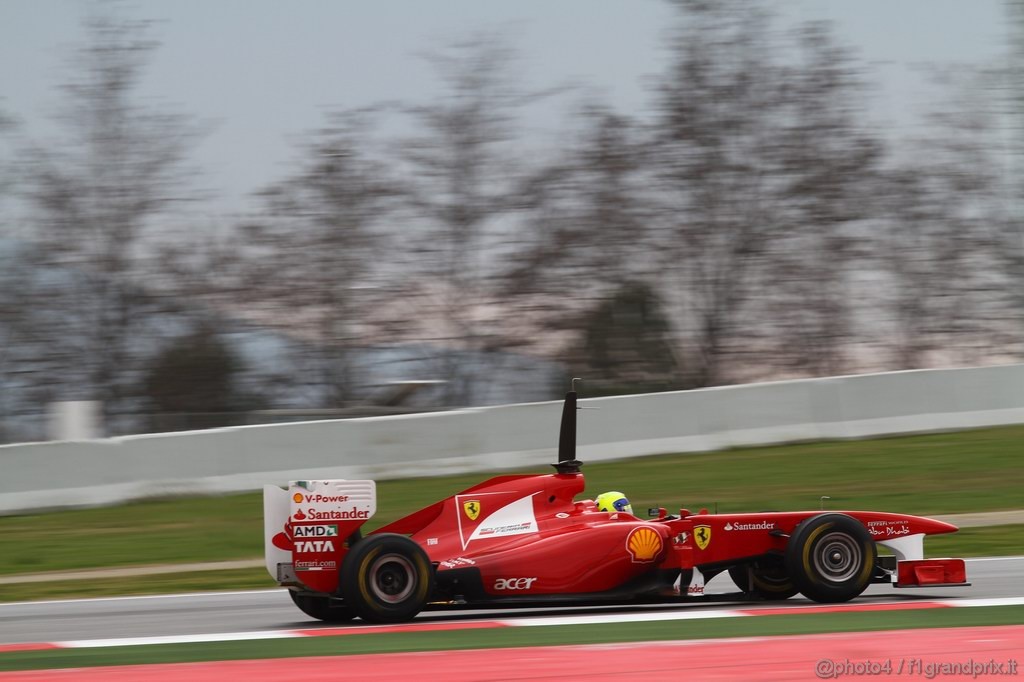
[[526, 540]]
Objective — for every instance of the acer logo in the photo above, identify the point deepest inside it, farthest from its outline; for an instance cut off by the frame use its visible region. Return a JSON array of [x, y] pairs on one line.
[[314, 546], [514, 583]]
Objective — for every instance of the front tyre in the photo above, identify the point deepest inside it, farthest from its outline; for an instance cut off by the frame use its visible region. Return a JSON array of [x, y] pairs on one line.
[[386, 578], [830, 558], [322, 608]]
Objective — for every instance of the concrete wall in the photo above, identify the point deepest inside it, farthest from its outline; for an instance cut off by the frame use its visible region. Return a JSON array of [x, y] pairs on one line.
[[69, 474]]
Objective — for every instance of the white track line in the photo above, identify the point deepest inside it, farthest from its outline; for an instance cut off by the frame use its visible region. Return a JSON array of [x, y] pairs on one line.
[[622, 618], [999, 601], [178, 639]]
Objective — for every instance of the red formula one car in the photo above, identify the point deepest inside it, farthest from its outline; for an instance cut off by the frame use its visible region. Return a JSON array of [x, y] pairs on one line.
[[524, 539]]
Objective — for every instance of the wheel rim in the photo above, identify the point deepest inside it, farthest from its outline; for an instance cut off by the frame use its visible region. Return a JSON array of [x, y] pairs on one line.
[[837, 557], [392, 578]]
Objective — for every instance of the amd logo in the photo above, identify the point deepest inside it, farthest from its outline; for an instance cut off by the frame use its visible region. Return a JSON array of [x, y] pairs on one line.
[[513, 583]]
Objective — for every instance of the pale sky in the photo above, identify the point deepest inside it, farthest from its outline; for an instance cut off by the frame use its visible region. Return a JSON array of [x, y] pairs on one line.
[[265, 71]]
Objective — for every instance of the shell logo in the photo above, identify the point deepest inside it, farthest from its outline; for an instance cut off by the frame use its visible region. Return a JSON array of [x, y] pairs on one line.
[[297, 497], [644, 544]]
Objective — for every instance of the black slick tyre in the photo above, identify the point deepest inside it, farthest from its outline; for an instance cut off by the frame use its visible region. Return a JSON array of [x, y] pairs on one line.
[[766, 580], [386, 578], [830, 558]]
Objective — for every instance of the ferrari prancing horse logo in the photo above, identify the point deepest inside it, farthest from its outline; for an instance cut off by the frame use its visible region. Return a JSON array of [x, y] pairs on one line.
[[702, 534], [472, 509]]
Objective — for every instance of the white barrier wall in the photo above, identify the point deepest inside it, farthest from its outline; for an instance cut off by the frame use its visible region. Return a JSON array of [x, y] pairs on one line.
[[69, 474]]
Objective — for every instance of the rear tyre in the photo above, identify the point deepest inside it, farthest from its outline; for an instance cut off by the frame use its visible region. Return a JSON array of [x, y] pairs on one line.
[[830, 558], [766, 580], [322, 608], [386, 578]]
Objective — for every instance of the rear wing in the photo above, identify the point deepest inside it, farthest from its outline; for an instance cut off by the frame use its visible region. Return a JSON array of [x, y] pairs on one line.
[[306, 528]]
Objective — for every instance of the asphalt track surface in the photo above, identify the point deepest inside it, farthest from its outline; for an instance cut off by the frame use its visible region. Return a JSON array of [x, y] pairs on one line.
[[196, 614]]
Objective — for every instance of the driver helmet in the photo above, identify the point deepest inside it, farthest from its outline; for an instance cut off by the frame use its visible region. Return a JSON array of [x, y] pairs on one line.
[[613, 501]]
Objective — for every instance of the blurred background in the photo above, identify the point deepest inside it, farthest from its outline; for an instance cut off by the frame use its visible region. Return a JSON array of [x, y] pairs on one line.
[[249, 212]]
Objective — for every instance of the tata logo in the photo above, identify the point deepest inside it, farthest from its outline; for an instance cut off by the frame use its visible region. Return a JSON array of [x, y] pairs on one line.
[[315, 531], [702, 536], [314, 546], [472, 509], [514, 583]]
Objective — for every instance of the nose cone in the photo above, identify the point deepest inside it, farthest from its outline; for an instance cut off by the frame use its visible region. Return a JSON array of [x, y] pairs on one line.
[[932, 526]]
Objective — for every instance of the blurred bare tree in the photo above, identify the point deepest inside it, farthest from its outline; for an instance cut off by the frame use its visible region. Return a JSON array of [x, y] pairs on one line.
[[752, 225], [584, 263], [12, 287], [463, 180], [1009, 234], [95, 193], [765, 170], [940, 246], [829, 170], [589, 222], [720, 112], [312, 258]]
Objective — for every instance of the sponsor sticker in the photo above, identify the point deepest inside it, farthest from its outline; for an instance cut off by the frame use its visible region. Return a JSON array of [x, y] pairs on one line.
[[455, 563], [323, 531], [702, 536], [888, 529], [316, 565], [498, 520], [757, 525], [331, 514], [472, 509], [644, 544], [510, 529], [317, 498], [514, 583], [314, 546]]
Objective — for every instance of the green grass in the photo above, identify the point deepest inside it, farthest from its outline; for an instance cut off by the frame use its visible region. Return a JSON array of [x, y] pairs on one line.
[[198, 581], [983, 541], [514, 637], [967, 471], [152, 532]]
